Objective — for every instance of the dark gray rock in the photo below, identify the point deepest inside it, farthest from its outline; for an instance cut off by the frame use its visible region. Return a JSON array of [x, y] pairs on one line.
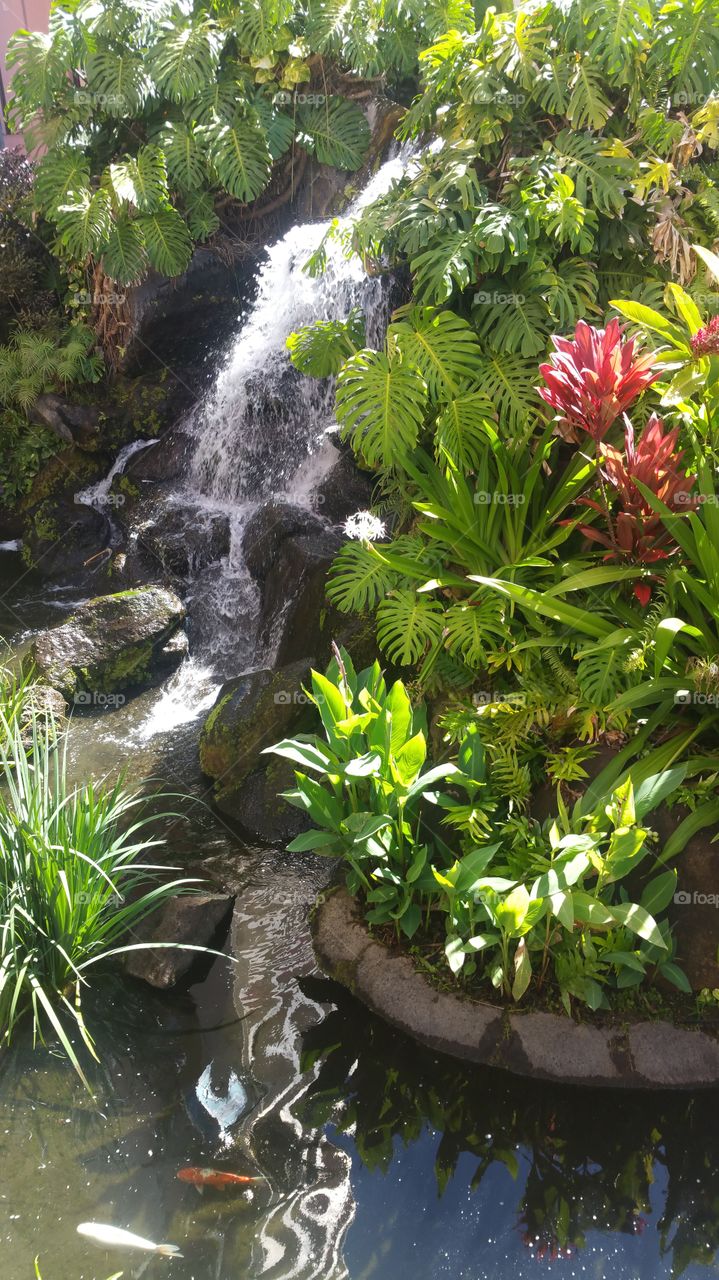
[[191, 919], [66, 540], [185, 542], [252, 712], [343, 490], [268, 528], [162, 461], [256, 808], [109, 644], [296, 619], [75, 423]]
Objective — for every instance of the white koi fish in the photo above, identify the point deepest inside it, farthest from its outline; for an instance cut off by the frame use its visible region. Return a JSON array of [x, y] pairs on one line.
[[118, 1238]]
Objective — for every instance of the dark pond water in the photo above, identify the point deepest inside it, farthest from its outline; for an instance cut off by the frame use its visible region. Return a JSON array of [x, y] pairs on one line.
[[380, 1161]]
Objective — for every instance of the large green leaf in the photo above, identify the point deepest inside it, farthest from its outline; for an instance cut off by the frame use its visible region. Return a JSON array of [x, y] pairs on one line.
[[169, 246], [508, 382], [84, 224], [184, 155], [359, 578], [117, 82], [141, 180], [441, 344], [406, 624], [183, 60], [58, 175], [240, 156], [124, 258], [380, 407], [336, 132], [460, 431]]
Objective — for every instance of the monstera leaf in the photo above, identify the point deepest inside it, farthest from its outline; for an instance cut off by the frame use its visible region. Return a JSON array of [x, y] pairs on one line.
[[58, 174], [141, 180], [322, 348], [407, 625], [460, 431], [124, 258], [336, 132], [117, 81], [185, 58], [359, 578], [442, 346], [84, 223], [184, 156], [169, 245], [240, 156], [380, 407]]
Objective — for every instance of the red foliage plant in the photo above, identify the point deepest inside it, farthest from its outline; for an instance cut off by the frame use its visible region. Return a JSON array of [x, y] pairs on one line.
[[637, 532], [593, 378], [706, 341]]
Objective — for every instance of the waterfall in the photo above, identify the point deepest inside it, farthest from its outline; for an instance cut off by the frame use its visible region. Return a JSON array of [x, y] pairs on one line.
[[261, 420], [262, 431]]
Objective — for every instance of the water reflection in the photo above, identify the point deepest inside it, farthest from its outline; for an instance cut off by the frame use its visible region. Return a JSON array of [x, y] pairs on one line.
[[468, 1172]]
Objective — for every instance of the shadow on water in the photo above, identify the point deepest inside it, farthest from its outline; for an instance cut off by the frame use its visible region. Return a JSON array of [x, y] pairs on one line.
[[465, 1172]]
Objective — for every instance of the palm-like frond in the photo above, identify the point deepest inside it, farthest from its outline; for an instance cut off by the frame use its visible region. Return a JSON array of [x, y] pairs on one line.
[[167, 240], [440, 344], [407, 624]]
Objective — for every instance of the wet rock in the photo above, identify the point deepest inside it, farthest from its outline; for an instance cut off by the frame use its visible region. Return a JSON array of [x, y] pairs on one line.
[[164, 460], [256, 808], [75, 423], [66, 540], [296, 617], [174, 652], [266, 530], [110, 644], [185, 542], [252, 712], [193, 919], [343, 490]]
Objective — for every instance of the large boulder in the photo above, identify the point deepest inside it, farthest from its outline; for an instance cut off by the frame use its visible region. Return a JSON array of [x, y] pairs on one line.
[[268, 528], [109, 644], [257, 808], [188, 920], [296, 620], [343, 490], [252, 712]]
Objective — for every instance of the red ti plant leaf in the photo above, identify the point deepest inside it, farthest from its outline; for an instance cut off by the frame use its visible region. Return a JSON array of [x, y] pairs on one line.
[[592, 378], [636, 532]]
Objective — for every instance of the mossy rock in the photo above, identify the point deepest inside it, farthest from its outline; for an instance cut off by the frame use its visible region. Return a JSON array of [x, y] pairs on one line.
[[111, 644], [252, 712]]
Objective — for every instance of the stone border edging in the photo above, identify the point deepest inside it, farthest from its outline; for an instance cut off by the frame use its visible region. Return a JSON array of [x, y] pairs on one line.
[[547, 1046]]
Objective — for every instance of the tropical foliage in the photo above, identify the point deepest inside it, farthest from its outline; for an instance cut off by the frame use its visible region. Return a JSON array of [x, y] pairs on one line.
[[155, 114], [74, 881], [525, 903]]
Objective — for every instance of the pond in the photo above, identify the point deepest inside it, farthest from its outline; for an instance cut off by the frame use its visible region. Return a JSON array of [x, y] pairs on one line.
[[377, 1160]]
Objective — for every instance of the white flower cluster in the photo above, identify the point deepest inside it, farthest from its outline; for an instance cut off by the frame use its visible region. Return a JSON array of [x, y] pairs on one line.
[[364, 526]]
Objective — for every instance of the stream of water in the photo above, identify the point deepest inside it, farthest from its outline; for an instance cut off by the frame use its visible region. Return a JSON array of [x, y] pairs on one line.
[[379, 1160]]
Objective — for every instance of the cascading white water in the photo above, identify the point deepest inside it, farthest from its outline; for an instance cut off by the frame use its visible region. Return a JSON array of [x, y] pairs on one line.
[[261, 432], [260, 421]]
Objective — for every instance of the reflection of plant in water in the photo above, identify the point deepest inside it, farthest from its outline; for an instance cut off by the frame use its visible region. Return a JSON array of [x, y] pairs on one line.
[[581, 1160]]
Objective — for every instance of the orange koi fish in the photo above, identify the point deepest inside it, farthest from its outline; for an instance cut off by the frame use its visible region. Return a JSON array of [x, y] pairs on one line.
[[201, 1178]]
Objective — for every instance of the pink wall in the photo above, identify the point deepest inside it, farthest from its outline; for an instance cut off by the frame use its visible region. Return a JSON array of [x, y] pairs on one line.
[[31, 14]]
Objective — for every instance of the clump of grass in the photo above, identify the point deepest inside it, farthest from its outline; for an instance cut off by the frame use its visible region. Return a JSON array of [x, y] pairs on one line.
[[73, 883]]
